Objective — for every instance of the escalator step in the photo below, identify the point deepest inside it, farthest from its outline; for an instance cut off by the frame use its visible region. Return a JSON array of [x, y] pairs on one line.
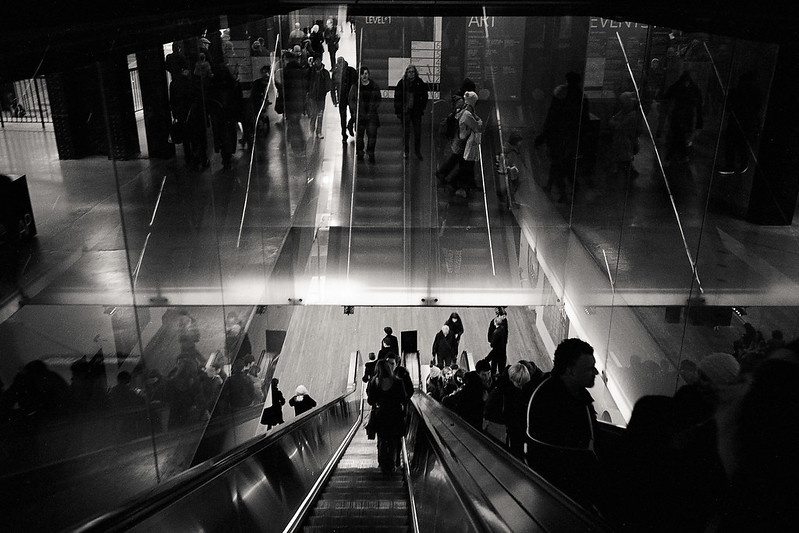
[[374, 520], [382, 504], [382, 528]]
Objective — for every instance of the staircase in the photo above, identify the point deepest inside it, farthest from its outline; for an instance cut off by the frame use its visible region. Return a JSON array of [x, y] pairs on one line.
[[358, 497]]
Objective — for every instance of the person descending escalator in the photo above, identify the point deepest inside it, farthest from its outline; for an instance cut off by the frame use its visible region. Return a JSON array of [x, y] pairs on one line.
[[387, 396]]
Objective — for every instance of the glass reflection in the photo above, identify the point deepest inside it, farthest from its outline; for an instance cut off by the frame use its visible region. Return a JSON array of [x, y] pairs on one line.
[[613, 196]]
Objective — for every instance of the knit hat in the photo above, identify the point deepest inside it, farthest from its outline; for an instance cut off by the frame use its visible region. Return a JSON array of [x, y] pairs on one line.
[[470, 98], [720, 368]]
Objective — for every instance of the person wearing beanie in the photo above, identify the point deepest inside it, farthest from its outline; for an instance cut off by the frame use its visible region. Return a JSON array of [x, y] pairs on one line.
[[470, 128], [301, 401]]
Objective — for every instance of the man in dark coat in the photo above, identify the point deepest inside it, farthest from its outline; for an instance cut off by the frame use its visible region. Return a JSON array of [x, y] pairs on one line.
[[389, 344], [443, 352], [561, 424], [273, 414], [410, 101], [365, 99], [344, 77]]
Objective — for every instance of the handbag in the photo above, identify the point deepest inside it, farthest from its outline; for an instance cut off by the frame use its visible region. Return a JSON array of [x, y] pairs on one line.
[[471, 151]]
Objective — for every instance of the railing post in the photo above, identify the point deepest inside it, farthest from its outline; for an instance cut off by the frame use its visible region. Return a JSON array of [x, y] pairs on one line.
[[38, 101]]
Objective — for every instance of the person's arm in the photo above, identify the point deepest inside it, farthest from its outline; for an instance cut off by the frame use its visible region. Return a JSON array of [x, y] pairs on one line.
[[424, 97], [398, 99]]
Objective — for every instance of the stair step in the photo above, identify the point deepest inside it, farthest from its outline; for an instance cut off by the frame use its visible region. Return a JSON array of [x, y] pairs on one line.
[[359, 529], [372, 520]]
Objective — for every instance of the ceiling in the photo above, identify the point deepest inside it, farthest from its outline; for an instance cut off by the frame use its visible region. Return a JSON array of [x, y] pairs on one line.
[[47, 35]]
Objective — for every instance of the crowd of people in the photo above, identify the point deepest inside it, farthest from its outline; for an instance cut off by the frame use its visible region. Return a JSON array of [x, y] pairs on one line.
[[144, 399], [718, 455]]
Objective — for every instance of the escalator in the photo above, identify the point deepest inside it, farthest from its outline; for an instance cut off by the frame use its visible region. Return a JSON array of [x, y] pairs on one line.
[[358, 497], [319, 473]]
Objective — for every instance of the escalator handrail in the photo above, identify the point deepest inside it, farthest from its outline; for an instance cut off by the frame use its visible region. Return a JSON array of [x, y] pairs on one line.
[[520, 469], [443, 451], [129, 514]]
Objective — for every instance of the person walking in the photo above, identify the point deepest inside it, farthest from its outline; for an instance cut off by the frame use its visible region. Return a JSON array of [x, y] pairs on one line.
[[331, 38], [344, 77], [365, 99], [443, 353], [318, 87], [273, 414], [470, 128], [387, 396], [410, 101]]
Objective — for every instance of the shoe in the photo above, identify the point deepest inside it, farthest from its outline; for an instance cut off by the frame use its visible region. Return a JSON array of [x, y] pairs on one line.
[[320, 135], [419, 156]]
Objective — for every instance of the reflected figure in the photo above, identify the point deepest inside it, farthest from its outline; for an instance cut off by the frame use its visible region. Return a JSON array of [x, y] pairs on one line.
[[685, 117], [565, 125], [365, 99], [273, 414], [743, 121]]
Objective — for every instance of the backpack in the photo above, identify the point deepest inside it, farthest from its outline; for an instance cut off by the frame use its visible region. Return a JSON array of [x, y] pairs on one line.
[[449, 125]]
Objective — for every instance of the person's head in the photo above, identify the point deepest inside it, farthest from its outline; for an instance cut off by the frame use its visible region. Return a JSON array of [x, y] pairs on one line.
[[467, 85], [627, 100], [393, 360], [470, 98], [560, 92], [574, 363], [275, 382], [387, 330], [384, 368], [364, 75], [687, 371], [265, 71], [483, 369], [296, 26], [718, 369], [329, 23], [372, 356], [341, 63], [455, 317], [518, 375], [317, 63], [435, 372], [573, 79], [445, 330], [472, 380], [301, 390], [177, 47], [315, 28], [410, 72]]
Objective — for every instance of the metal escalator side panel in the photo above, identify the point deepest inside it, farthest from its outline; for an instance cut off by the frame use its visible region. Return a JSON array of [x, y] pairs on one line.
[[257, 487], [504, 493]]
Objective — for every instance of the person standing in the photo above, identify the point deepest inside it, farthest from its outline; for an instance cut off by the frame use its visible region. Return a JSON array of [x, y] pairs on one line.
[[365, 99], [296, 36], [386, 394], [273, 414], [295, 90], [470, 128], [455, 325], [317, 38], [389, 344], [344, 77], [684, 118], [443, 354], [498, 338], [410, 101], [257, 119], [561, 424], [565, 126], [318, 87], [301, 401], [331, 39]]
